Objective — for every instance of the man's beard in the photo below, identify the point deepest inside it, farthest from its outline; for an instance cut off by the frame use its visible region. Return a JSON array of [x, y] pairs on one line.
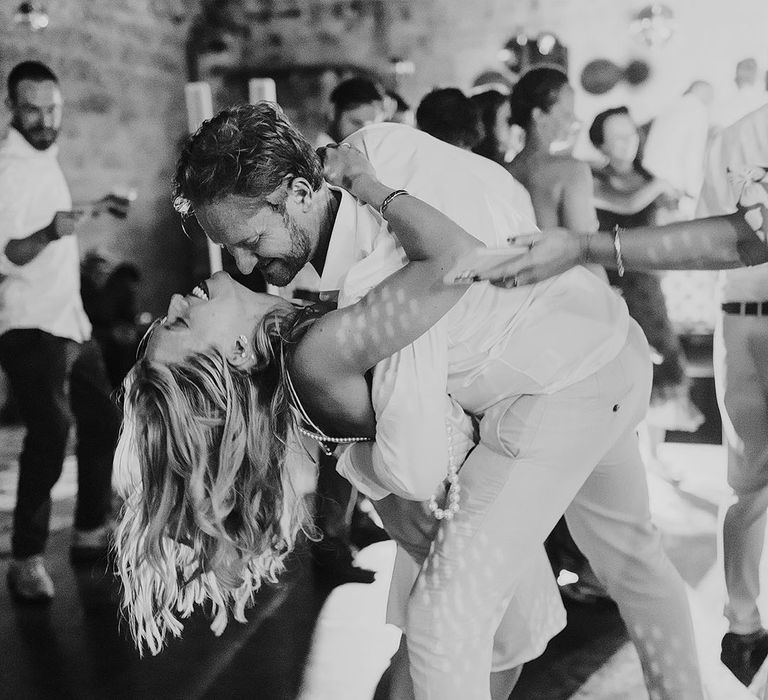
[[281, 271], [39, 137]]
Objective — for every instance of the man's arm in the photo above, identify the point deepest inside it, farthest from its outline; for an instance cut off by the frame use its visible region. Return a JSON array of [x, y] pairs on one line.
[[20, 251]]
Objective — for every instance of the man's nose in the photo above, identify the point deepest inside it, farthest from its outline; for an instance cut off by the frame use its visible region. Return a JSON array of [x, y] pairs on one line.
[[48, 120], [245, 261]]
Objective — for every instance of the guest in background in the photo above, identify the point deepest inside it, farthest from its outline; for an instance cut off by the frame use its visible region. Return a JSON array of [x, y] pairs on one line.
[[741, 381], [109, 290], [45, 346], [495, 114], [449, 115], [627, 196], [356, 102], [676, 145], [747, 95], [400, 111], [560, 185]]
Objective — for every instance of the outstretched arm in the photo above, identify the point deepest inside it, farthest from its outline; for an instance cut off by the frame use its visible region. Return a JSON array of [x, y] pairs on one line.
[[716, 243]]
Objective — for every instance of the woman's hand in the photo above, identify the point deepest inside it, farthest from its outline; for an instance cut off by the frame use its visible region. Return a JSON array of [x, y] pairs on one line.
[[549, 253], [345, 166]]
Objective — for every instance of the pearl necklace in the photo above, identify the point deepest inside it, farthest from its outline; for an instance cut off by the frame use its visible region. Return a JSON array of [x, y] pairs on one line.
[[453, 496]]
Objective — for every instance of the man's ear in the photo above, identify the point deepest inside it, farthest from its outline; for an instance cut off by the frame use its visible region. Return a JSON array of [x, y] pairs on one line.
[[301, 191]]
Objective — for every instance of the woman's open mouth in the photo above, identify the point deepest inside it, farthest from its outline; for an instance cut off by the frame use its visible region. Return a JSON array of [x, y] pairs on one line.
[[201, 291]]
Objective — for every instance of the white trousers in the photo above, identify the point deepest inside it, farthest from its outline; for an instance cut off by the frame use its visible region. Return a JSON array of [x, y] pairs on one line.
[[540, 456], [741, 379]]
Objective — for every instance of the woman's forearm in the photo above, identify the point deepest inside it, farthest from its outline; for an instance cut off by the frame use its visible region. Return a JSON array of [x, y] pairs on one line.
[[715, 243]]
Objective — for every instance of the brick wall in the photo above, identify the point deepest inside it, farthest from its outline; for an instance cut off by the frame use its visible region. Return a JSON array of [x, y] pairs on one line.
[[452, 41], [121, 67]]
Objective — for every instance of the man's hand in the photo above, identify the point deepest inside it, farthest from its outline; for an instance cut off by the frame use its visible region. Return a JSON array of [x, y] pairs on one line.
[[116, 205], [65, 223], [345, 166], [549, 253]]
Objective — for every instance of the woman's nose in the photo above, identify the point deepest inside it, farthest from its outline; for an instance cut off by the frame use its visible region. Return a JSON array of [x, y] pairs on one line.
[[177, 307]]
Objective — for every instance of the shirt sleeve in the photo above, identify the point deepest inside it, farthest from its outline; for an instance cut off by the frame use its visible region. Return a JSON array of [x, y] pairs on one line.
[[13, 203]]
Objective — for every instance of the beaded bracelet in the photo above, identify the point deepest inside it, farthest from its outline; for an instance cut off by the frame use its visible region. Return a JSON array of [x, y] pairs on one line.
[[388, 200], [617, 231]]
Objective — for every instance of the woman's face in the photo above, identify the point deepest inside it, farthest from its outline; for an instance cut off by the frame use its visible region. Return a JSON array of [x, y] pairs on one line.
[[215, 314], [620, 139], [560, 123]]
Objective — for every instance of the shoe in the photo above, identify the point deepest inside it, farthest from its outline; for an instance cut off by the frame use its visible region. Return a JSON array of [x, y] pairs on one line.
[[743, 654], [29, 582], [90, 545]]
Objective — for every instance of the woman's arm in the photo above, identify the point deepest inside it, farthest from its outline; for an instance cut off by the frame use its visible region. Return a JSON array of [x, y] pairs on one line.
[[715, 243], [406, 304], [577, 210], [629, 203]]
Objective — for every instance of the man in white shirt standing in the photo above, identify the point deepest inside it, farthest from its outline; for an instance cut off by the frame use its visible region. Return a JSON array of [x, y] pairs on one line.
[[44, 336], [741, 380]]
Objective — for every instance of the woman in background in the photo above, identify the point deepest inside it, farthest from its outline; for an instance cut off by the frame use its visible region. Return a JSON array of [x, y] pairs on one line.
[[627, 196]]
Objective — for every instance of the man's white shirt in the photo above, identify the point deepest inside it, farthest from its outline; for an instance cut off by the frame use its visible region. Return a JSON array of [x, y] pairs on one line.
[[551, 335], [44, 293], [744, 143]]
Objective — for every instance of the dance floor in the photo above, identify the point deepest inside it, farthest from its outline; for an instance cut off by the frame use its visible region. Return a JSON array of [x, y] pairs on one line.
[[306, 639]]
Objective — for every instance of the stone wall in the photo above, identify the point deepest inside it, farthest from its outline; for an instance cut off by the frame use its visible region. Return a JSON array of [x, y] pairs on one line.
[[122, 72]]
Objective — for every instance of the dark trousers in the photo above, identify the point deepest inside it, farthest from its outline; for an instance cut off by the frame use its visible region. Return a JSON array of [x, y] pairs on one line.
[[54, 379]]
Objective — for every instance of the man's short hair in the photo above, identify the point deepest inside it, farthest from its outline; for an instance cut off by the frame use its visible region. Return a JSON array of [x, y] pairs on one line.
[[449, 115], [353, 92], [28, 70], [245, 150], [597, 130]]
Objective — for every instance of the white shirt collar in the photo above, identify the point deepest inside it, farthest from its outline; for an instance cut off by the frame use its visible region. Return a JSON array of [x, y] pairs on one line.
[[18, 145], [341, 253]]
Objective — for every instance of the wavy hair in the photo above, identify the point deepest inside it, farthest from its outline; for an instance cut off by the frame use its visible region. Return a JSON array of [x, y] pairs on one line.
[[245, 150], [210, 508]]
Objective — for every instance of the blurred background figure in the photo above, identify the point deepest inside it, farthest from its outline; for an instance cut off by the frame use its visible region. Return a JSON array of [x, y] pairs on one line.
[[355, 103], [449, 115], [749, 94], [560, 186], [109, 291], [399, 110], [495, 114], [628, 196], [676, 147]]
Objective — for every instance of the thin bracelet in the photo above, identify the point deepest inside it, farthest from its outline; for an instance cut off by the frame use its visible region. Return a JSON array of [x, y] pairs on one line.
[[388, 200], [617, 231], [589, 247]]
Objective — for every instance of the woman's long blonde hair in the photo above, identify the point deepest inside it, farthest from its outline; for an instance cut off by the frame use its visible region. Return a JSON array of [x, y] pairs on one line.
[[210, 511]]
